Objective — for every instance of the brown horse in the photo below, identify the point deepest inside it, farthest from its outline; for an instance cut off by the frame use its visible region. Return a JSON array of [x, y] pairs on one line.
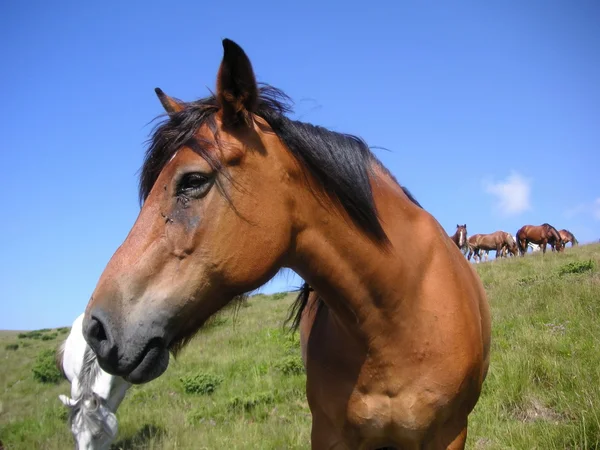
[[499, 241], [510, 247], [460, 237], [566, 236], [540, 235], [397, 348]]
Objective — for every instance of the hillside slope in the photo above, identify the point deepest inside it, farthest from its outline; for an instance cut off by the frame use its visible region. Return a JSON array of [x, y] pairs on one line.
[[542, 391]]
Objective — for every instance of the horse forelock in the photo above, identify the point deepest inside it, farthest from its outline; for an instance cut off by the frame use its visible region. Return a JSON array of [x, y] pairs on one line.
[[90, 369], [92, 419]]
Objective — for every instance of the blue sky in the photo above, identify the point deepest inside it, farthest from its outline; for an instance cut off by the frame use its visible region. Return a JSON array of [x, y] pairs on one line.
[[490, 112]]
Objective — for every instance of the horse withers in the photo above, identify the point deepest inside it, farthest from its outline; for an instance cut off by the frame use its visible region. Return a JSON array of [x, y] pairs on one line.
[[541, 235], [95, 394], [233, 191]]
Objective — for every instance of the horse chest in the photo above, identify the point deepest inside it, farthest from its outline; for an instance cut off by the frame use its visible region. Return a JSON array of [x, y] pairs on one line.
[[405, 416]]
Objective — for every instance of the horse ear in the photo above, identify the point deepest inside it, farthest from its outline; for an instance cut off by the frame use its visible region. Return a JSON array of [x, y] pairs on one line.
[[68, 402], [237, 90], [171, 105]]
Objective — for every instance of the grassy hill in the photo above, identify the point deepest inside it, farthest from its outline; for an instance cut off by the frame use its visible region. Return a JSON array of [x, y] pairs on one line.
[[240, 383]]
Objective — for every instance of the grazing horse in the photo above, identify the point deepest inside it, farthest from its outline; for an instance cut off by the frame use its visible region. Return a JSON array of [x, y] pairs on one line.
[[539, 234], [460, 237], [233, 191], [510, 247], [498, 241], [95, 394], [566, 236]]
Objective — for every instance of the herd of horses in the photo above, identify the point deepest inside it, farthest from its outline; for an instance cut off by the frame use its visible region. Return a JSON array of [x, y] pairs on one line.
[[538, 237], [394, 322]]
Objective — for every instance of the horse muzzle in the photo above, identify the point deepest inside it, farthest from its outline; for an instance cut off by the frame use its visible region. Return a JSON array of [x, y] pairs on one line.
[[136, 352]]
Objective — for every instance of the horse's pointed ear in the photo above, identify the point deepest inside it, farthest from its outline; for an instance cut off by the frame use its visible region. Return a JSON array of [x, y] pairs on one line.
[[171, 105], [66, 400], [237, 90]]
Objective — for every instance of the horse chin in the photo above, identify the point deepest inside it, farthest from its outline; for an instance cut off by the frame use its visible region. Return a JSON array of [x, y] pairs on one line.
[[153, 365]]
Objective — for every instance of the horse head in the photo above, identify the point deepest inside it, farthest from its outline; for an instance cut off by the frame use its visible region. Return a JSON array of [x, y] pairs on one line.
[[95, 395], [461, 231]]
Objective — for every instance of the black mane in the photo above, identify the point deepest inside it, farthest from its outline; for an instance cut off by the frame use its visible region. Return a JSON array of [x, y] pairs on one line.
[[340, 163]]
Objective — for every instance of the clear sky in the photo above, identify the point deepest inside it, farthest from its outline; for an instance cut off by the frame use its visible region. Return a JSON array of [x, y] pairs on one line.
[[490, 112]]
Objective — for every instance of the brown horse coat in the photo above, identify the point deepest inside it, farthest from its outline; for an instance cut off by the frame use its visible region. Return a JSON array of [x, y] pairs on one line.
[[460, 237], [398, 347], [566, 236], [541, 235], [498, 240]]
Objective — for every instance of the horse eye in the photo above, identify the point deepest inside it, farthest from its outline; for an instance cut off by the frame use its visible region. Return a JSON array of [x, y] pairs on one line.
[[194, 185]]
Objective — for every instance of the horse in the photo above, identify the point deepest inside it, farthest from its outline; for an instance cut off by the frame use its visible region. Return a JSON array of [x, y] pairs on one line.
[[473, 249], [541, 235], [460, 237], [566, 236], [510, 247], [232, 191], [499, 240], [95, 394]]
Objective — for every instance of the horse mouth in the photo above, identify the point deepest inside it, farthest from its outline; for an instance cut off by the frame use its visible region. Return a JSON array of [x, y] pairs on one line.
[[152, 365]]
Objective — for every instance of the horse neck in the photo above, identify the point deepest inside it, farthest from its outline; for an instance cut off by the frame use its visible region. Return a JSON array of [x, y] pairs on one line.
[[455, 237], [73, 354], [359, 279], [111, 388]]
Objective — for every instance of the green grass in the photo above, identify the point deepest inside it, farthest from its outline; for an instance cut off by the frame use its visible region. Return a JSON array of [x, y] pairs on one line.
[[240, 382]]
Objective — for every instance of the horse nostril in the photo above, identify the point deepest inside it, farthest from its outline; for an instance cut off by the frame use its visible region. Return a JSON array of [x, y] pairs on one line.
[[99, 338], [96, 332]]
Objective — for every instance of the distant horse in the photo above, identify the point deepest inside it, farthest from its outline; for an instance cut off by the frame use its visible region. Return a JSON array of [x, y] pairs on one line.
[[474, 251], [494, 241], [95, 394], [510, 248], [232, 191], [566, 236], [460, 237], [538, 234]]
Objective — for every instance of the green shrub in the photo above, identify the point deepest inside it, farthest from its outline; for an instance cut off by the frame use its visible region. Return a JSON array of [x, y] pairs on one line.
[[576, 267], [249, 403], [48, 337], [527, 280], [278, 296], [290, 365], [202, 383], [44, 369], [30, 335], [11, 346]]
